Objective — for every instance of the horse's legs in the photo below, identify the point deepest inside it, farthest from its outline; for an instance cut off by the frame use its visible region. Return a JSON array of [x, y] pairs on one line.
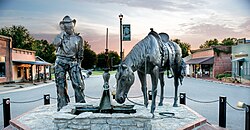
[[154, 79], [176, 84], [142, 77], [161, 77]]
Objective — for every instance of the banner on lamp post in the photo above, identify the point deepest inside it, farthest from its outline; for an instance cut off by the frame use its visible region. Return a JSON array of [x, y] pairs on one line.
[[126, 34]]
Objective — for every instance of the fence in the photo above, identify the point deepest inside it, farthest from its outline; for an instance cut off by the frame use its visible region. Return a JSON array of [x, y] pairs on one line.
[[222, 109], [222, 106]]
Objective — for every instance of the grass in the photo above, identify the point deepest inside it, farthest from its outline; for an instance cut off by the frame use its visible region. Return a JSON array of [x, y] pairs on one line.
[[101, 72]]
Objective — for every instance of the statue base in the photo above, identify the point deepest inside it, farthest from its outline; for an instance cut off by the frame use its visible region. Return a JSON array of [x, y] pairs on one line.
[[46, 117]]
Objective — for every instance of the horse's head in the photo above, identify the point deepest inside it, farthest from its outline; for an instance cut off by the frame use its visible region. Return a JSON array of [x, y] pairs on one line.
[[125, 78]]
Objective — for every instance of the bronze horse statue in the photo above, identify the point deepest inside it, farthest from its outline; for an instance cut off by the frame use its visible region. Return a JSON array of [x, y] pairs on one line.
[[153, 55]]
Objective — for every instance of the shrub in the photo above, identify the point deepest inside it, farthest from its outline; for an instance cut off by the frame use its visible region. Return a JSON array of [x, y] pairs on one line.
[[220, 76]]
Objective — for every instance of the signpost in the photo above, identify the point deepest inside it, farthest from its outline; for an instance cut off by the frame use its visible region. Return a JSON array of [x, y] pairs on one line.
[[126, 32]]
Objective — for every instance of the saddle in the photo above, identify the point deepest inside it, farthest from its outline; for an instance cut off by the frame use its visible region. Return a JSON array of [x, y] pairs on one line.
[[167, 49]]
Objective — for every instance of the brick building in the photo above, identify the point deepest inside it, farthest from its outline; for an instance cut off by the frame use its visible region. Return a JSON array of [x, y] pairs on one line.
[[5, 59], [210, 62], [18, 65]]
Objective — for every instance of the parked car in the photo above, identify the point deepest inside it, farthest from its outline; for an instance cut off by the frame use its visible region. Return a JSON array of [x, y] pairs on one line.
[[85, 74]]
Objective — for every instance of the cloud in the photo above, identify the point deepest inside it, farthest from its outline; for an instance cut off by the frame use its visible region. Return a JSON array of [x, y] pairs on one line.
[[245, 26], [177, 5], [197, 34]]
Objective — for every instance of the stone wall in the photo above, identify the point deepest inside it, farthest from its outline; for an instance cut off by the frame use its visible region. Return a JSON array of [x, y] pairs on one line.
[[141, 120], [47, 118], [98, 121]]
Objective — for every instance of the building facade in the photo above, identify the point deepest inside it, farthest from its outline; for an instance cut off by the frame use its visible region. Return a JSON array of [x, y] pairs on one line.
[[241, 60], [19, 65], [5, 59], [210, 62]]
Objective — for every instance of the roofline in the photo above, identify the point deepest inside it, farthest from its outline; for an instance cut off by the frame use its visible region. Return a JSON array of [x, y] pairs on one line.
[[210, 48], [199, 50], [40, 58], [5, 37], [23, 50]]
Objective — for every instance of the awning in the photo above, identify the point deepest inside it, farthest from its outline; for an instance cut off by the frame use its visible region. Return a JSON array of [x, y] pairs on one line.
[[33, 62], [203, 60], [239, 59]]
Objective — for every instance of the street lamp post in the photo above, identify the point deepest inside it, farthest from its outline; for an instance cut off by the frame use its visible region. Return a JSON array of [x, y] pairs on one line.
[[120, 17]]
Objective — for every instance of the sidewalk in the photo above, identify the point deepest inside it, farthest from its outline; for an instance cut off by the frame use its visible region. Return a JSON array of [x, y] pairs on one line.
[[245, 83], [5, 88]]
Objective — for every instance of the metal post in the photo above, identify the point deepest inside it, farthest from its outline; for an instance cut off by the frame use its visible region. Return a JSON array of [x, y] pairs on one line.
[[44, 73], [149, 95], [49, 72], [247, 123], [183, 98], [46, 98], [120, 17], [6, 111], [222, 111]]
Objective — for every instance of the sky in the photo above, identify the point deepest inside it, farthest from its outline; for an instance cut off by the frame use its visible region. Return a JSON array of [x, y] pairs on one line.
[[191, 21]]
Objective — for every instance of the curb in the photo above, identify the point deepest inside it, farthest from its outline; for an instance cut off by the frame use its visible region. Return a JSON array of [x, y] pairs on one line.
[[27, 88], [220, 82]]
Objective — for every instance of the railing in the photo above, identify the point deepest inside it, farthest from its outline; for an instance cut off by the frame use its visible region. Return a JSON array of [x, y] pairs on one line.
[[222, 106]]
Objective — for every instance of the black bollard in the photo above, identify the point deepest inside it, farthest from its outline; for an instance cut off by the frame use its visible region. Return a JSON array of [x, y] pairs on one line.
[[247, 123], [46, 98], [6, 111], [149, 95], [183, 98], [222, 111]]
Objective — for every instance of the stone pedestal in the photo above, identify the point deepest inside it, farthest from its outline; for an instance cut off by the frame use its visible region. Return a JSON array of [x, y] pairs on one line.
[[46, 117]]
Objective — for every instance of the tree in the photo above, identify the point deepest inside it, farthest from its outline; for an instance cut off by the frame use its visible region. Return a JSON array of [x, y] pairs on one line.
[[210, 43], [229, 41], [44, 50], [89, 57], [113, 59], [20, 36], [185, 47]]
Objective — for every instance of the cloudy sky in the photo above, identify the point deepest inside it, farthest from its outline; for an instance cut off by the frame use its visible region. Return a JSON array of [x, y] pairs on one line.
[[191, 21]]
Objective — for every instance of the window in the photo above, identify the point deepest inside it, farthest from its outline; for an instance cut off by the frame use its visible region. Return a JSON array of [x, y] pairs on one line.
[[2, 69], [19, 72]]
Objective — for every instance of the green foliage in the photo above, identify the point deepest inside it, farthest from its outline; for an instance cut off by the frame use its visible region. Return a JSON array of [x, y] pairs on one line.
[[184, 47], [220, 76], [210, 43], [229, 41], [218, 51], [23, 40], [89, 57], [215, 42], [113, 59], [20, 36], [44, 50]]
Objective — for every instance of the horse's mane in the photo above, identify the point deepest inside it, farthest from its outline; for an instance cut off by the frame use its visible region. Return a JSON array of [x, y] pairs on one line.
[[139, 52]]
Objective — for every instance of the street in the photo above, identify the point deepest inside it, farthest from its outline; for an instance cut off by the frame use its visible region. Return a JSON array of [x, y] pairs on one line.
[[196, 89]]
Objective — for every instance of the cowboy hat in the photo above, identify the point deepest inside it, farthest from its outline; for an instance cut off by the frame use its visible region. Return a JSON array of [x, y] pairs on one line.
[[67, 19]]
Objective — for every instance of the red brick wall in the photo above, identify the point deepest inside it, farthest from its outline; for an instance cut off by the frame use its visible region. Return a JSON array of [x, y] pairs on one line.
[[5, 51], [23, 55], [222, 62]]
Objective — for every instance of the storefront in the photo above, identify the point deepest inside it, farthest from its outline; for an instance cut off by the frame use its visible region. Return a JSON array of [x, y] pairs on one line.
[[19, 65], [241, 61]]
